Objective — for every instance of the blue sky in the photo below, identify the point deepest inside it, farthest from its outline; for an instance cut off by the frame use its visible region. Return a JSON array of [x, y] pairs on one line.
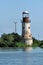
[[11, 11]]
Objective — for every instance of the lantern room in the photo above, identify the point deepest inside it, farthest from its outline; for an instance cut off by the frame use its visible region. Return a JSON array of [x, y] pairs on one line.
[[25, 16]]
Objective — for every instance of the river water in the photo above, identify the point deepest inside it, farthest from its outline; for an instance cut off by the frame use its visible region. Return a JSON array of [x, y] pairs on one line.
[[28, 56]]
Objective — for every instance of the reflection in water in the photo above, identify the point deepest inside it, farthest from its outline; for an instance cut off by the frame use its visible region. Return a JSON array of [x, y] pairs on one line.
[[19, 57], [26, 56], [28, 49]]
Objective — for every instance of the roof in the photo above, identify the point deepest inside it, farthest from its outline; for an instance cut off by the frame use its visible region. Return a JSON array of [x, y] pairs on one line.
[[25, 12]]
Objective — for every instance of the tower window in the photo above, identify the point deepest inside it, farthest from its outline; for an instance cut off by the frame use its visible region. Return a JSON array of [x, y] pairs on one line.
[[28, 27], [29, 35], [23, 27], [23, 36]]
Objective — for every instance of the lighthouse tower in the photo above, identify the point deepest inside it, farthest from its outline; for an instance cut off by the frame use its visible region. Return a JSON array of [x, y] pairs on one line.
[[26, 33]]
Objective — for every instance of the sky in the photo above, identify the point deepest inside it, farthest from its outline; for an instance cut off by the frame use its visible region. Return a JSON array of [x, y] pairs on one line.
[[11, 11]]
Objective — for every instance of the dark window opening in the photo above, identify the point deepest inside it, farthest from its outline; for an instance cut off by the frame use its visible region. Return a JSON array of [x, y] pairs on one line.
[[29, 35], [28, 27]]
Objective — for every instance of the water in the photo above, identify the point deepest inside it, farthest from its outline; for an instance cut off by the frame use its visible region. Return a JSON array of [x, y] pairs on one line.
[[28, 56]]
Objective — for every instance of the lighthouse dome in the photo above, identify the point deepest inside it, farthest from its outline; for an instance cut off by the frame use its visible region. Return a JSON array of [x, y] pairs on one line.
[[25, 12]]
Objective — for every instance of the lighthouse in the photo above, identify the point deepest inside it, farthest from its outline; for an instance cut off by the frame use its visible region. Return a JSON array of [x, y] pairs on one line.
[[26, 33]]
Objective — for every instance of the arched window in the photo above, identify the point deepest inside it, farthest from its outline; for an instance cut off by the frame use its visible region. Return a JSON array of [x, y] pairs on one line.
[[28, 27], [29, 35]]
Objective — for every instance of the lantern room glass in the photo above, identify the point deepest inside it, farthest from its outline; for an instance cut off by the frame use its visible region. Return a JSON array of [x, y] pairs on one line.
[[24, 14]]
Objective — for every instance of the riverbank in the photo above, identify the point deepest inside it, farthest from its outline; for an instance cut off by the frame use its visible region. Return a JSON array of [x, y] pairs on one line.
[[14, 40]]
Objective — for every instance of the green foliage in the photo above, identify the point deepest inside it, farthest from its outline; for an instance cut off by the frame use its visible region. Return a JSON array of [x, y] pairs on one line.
[[35, 42], [20, 45], [9, 40], [41, 44], [14, 40]]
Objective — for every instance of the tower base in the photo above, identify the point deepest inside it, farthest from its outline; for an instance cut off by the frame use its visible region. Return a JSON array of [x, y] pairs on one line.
[[28, 41]]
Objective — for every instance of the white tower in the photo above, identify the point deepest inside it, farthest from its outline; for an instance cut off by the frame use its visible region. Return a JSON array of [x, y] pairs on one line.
[[26, 33]]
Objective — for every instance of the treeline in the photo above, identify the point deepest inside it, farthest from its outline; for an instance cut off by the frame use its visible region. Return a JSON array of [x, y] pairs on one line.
[[37, 43], [14, 40], [9, 40]]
